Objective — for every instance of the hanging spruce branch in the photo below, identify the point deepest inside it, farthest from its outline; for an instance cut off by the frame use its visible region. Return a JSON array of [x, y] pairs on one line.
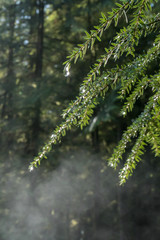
[[132, 78]]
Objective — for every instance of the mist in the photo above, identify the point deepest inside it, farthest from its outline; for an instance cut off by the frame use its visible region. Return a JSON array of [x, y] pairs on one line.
[[54, 204], [80, 199]]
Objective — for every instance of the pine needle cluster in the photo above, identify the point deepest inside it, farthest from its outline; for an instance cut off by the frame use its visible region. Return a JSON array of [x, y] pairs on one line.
[[132, 77]]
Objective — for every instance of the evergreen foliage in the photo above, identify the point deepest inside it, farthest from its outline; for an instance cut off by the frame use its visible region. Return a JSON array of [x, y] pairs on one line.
[[131, 77]]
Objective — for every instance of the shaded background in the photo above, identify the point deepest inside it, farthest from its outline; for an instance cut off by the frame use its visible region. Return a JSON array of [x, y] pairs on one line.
[[73, 194]]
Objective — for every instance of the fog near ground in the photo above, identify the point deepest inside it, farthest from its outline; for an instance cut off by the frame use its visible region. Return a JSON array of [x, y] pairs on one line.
[[36, 204], [79, 199]]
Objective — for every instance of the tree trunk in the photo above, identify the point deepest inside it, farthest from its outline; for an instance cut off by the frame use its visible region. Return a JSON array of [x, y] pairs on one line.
[[7, 112], [33, 137]]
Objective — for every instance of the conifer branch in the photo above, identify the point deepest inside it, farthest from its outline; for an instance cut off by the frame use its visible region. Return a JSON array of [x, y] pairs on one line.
[[132, 77], [104, 23]]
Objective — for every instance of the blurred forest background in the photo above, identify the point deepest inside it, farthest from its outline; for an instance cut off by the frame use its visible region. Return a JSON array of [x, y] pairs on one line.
[[73, 194]]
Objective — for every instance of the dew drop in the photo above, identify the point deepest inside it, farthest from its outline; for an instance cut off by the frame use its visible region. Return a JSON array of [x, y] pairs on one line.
[[31, 168], [66, 70]]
